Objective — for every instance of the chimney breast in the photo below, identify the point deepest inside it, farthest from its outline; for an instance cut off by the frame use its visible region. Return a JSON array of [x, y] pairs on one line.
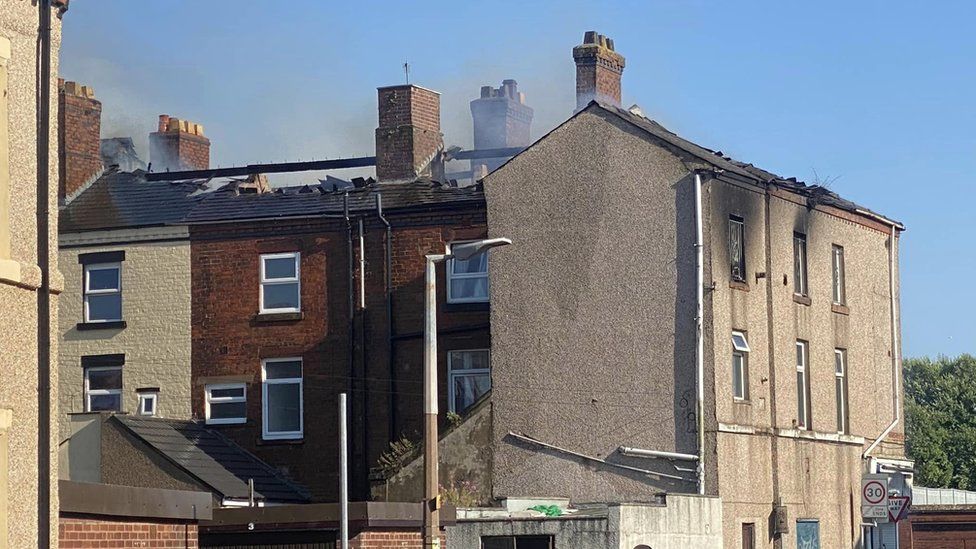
[[598, 70], [178, 145], [501, 120], [79, 134], [408, 140]]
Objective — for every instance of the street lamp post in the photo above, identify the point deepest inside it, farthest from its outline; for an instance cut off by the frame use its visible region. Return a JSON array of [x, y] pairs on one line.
[[431, 485]]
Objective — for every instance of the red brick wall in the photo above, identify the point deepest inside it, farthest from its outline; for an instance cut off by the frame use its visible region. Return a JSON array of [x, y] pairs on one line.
[[79, 138], [85, 533], [408, 136], [227, 340], [388, 539], [176, 150]]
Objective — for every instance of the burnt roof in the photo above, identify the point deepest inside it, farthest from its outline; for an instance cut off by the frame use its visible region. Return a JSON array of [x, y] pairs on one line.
[[213, 459], [127, 200], [815, 194]]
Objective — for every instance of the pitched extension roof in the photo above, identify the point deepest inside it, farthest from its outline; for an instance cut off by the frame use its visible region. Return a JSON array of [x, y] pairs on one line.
[[213, 459], [815, 194], [119, 200]]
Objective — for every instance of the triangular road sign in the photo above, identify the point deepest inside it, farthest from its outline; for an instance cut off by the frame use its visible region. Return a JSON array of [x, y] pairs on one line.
[[897, 507]]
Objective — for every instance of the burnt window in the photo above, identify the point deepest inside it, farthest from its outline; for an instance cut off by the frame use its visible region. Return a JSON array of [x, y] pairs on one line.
[[800, 264], [748, 535], [516, 542], [837, 266], [737, 253]]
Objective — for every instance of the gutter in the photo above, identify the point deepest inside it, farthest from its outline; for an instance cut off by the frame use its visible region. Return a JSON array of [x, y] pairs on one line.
[[895, 346]]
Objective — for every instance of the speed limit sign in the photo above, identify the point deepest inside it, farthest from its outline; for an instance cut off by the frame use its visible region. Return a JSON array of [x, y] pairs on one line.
[[874, 497]]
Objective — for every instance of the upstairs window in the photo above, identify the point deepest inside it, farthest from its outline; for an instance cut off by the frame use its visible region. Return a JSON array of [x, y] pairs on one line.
[[103, 389], [282, 398], [740, 366], [737, 254], [837, 266], [280, 283], [469, 378], [226, 403], [148, 402], [840, 390], [800, 264], [103, 292], [802, 386], [467, 280]]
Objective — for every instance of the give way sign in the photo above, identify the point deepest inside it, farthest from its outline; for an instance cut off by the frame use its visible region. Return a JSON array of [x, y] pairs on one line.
[[898, 507]]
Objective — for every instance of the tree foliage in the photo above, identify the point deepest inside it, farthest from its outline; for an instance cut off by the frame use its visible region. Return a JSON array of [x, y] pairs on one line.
[[940, 421]]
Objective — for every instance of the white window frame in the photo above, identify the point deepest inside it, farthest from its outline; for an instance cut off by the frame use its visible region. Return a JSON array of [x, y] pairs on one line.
[[737, 223], [265, 382], [741, 352], [209, 399], [803, 407], [800, 265], [840, 390], [145, 397], [452, 375], [839, 275], [297, 279], [452, 276], [99, 392], [89, 292]]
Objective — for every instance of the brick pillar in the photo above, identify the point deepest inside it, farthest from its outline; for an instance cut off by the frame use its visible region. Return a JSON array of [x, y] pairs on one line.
[[501, 119], [408, 140], [598, 70], [178, 145], [79, 133]]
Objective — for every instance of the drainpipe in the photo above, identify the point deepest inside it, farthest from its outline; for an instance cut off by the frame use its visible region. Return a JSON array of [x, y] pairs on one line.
[[349, 281], [895, 358], [391, 331], [699, 332], [44, 292]]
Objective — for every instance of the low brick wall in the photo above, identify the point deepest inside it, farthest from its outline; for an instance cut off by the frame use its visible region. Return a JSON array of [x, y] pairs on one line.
[[90, 532], [389, 539]]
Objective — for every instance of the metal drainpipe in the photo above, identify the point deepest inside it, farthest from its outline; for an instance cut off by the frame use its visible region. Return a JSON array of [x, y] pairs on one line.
[[391, 330], [699, 332], [895, 354], [351, 341], [44, 292]]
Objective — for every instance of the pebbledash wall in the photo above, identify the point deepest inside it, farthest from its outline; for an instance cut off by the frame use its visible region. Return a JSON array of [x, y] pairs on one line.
[[20, 276], [155, 339]]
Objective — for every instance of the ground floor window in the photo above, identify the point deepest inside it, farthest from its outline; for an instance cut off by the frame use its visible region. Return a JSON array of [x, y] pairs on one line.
[[517, 542], [103, 389], [807, 534], [282, 398], [469, 377]]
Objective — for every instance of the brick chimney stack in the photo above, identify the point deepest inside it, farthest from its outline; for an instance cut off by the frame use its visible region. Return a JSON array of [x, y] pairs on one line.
[[408, 140], [178, 145], [598, 70], [501, 120], [79, 134]]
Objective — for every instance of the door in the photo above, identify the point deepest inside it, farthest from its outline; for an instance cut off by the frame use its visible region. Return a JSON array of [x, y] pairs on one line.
[[807, 534]]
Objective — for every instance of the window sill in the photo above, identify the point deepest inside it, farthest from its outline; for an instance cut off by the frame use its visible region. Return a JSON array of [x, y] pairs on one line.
[[840, 309], [471, 306], [261, 318], [741, 401], [114, 325], [281, 441], [738, 285], [802, 299]]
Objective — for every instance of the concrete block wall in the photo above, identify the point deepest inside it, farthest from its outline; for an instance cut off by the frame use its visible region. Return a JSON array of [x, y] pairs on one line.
[[156, 309], [89, 533]]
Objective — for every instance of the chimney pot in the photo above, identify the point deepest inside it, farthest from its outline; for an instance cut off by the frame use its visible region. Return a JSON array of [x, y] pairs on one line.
[[163, 122]]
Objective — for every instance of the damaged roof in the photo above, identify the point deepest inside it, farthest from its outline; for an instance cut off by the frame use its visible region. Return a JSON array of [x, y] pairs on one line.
[[127, 200], [213, 459], [815, 194]]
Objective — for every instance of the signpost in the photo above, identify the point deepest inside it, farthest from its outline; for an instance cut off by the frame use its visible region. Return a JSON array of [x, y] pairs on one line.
[[874, 497]]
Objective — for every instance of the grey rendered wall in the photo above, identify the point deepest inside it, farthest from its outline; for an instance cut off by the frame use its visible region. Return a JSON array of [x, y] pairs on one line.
[[567, 532], [685, 522], [592, 311]]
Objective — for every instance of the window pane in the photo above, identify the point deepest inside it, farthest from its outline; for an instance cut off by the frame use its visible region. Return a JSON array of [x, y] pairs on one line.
[[801, 399], [105, 379], [281, 296], [738, 383], [497, 543], [284, 407], [104, 307], [476, 264], [103, 279], [800, 264], [469, 360], [232, 392], [283, 369], [800, 362], [103, 403], [469, 288], [148, 405], [468, 389], [228, 410], [281, 267], [841, 405], [739, 342], [839, 363], [736, 255]]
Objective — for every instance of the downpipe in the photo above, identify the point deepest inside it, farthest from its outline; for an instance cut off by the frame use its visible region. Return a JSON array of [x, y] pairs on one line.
[[699, 332]]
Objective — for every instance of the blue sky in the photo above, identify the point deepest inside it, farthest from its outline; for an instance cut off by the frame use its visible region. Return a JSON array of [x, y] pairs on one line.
[[877, 95]]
